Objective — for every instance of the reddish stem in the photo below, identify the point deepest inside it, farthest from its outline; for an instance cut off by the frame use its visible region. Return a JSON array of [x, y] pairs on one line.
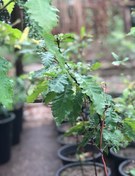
[[101, 133], [105, 167], [101, 140]]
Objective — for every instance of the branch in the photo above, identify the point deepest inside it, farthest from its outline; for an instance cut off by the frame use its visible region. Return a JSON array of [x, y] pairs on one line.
[[6, 5]]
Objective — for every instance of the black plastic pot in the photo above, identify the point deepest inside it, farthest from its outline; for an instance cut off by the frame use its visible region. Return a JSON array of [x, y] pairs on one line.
[[123, 165], [68, 150], [63, 127], [115, 94], [17, 125], [118, 159], [73, 165], [60, 140], [6, 138]]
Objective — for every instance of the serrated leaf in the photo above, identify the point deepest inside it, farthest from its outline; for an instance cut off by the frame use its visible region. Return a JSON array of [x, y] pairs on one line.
[[58, 84], [114, 137], [48, 98], [53, 48], [62, 105], [94, 91], [10, 6], [6, 84], [43, 13], [39, 88], [77, 107], [130, 122], [47, 58]]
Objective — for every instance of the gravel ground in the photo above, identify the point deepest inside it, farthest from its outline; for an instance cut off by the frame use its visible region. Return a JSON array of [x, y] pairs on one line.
[[36, 155]]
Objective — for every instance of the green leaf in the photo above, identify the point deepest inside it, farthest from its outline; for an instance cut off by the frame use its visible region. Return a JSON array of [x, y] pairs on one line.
[[132, 32], [132, 172], [116, 57], [53, 48], [6, 84], [62, 105], [47, 59], [94, 91], [95, 66], [125, 59], [117, 63], [39, 88], [77, 107], [83, 32], [68, 37], [58, 84], [48, 98], [8, 34], [43, 13], [10, 6], [130, 122], [47, 19], [79, 128], [113, 138]]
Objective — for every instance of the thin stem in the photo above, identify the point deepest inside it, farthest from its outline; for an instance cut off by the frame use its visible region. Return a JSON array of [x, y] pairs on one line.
[[105, 167], [58, 43], [95, 169], [6, 5], [101, 133], [101, 140], [80, 161], [81, 166]]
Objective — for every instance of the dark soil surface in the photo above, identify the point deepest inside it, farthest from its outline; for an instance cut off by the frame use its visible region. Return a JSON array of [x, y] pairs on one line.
[[64, 127], [82, 156], [129, 168], [69, 139], [128, 152], [36, 155]]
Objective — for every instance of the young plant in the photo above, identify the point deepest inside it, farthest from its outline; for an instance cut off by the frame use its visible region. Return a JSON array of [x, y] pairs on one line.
[[67, 89]]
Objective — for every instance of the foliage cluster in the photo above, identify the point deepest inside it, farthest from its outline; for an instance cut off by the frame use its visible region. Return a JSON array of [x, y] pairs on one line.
[[64, 84]]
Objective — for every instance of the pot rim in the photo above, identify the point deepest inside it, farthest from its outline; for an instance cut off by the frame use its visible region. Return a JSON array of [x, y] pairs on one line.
[[123, 164], [59, 129], [8, 119], [59, 171], [121, 157], [60, 141], [74, 160]]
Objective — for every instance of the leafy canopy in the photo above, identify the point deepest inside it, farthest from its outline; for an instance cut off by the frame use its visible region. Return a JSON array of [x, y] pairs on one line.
[[6, 88]]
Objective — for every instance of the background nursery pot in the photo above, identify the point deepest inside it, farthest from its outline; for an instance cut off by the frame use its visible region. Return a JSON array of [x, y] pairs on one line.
[[17, 124], [127, 168], [5, 137], [68, 153], [90, 165], [64, 127], [122, 155], [66, 140]]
